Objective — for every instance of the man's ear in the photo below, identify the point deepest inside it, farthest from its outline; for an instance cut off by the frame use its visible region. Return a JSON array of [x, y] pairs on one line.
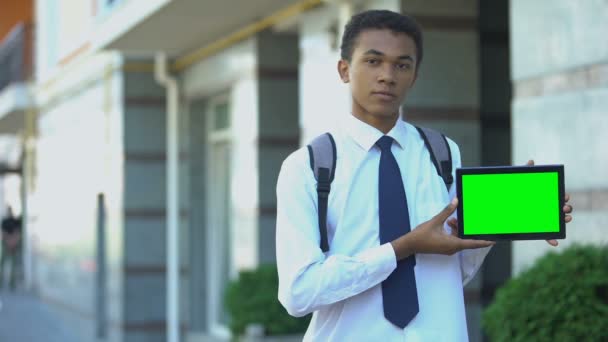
[[343, 69]]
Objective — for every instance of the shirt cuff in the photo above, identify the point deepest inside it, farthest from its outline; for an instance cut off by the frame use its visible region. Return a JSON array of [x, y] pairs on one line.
[[381, 261], [470, 261]]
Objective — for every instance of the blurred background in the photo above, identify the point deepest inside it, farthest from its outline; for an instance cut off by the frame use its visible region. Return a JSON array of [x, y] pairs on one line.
[[140, 142]]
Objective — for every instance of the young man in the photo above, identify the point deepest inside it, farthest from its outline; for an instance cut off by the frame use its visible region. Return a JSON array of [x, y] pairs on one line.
[[393, 271]]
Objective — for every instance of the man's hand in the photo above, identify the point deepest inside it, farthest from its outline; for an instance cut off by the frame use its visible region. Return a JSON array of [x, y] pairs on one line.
[[453, 223], [567, 208], [431, 238]]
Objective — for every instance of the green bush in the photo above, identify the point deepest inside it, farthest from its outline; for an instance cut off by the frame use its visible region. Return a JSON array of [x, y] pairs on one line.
[[562, 297], [252, 298]]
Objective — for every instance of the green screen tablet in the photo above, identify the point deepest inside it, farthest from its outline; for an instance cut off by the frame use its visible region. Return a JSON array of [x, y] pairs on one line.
[[511, 203]]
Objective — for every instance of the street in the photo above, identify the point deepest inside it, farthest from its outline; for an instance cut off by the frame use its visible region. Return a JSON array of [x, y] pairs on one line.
[[24, 318]]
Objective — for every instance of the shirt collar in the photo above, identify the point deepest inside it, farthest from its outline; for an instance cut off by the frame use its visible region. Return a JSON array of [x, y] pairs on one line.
[[366, 135]]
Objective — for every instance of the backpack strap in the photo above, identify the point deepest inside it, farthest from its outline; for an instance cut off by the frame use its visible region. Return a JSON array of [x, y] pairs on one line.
[[439, 149], [322, 152]]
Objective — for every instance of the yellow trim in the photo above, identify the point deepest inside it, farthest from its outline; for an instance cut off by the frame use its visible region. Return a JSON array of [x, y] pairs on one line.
[[79, 86], [246, 32]]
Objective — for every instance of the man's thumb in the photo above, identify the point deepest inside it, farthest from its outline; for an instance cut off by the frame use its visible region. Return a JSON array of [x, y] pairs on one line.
[[447, 211]]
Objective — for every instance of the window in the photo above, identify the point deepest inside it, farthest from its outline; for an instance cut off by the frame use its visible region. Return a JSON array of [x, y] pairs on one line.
[[104, 7], [219, 224], [221, 120]]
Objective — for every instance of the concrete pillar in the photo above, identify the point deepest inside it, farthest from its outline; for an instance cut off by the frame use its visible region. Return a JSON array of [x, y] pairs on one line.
[[279, 131], [144, 210], [495, 119], [446, 95]]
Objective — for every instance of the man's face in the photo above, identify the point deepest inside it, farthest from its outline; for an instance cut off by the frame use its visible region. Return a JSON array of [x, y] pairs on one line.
[[381, 71]]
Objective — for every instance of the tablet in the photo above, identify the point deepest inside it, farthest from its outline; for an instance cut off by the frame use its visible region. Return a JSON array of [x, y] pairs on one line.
[[511, 202]]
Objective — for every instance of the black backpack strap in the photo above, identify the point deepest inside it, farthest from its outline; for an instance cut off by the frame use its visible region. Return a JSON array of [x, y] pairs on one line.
[[439, 149], [322, 152]]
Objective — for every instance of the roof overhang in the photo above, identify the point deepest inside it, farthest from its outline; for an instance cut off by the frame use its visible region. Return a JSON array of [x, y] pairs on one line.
[[177, 27], [15, 101]]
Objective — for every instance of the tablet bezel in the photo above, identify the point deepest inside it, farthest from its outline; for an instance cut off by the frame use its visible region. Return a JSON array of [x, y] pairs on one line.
[[511, 213]]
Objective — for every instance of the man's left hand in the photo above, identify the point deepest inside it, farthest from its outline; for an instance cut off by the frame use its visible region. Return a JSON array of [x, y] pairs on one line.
[[567, 208], [453, 222]]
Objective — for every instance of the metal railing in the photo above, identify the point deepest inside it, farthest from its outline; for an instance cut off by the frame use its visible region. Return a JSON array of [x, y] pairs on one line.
[[16, 55]]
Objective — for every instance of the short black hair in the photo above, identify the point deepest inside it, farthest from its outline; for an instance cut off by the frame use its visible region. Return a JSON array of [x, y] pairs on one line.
[[380, 19]]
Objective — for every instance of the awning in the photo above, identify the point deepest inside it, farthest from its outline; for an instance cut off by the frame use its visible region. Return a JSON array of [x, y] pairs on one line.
[[15, 101], [178, 26]]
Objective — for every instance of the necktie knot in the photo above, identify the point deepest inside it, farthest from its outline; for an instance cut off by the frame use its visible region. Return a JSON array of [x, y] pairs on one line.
[[385, 143]]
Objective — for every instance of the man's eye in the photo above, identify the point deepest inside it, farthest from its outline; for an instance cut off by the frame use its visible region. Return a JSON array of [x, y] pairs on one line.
[[373, 61], [404, 66]]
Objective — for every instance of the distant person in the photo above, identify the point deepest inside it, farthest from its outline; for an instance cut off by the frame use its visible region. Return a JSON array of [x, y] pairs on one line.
[[11, 242]]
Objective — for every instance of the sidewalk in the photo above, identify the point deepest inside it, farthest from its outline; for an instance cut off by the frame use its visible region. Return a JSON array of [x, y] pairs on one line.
[[24, 318]]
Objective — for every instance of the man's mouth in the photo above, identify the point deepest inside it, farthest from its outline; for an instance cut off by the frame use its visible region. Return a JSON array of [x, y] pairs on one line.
[[384, 95]]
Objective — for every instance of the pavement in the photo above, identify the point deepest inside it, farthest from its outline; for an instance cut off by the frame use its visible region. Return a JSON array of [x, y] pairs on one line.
[[24, 318]]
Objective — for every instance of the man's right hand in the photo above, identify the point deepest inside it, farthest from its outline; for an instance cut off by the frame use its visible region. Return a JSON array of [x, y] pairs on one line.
[[430, 237]]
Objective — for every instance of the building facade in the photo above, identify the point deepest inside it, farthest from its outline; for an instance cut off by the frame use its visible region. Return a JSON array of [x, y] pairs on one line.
[[160, 126], [17, 107]]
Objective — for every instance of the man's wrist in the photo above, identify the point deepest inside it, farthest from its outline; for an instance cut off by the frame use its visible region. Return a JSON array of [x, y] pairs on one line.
[[404, 246]]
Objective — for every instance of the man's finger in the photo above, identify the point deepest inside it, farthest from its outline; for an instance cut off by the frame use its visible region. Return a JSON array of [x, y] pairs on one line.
[[446, 212], [474, 244], [553, 243], [530, 162], [453, 223], [567, 197], [567, 209], [568, 219]]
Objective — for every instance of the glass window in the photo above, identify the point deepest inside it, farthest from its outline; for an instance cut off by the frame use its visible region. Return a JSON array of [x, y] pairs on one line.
[[106, 6], [219, 212], [221, 117]]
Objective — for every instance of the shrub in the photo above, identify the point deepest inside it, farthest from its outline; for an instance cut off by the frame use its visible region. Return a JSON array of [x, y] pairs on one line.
[[562, 297], [252, 298]]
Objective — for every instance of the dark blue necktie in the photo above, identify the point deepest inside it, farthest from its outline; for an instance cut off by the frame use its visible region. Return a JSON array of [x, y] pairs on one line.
[[399, 295]]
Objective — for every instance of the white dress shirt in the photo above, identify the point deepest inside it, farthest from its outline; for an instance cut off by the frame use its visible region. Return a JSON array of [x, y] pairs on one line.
[[342, 286]]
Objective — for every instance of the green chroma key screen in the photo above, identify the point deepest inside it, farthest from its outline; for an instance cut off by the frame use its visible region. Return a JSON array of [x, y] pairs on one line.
[[511, 202]]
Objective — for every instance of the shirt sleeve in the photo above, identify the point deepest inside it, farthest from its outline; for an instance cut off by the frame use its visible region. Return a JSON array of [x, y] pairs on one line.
[[470, 259], [308, 278]]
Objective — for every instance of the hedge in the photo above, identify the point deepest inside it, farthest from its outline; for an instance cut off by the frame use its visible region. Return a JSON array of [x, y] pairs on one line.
[[252, 298], [562, 297]]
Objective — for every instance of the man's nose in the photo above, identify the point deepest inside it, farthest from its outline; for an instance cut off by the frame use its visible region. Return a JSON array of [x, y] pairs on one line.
[[387, 74]]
